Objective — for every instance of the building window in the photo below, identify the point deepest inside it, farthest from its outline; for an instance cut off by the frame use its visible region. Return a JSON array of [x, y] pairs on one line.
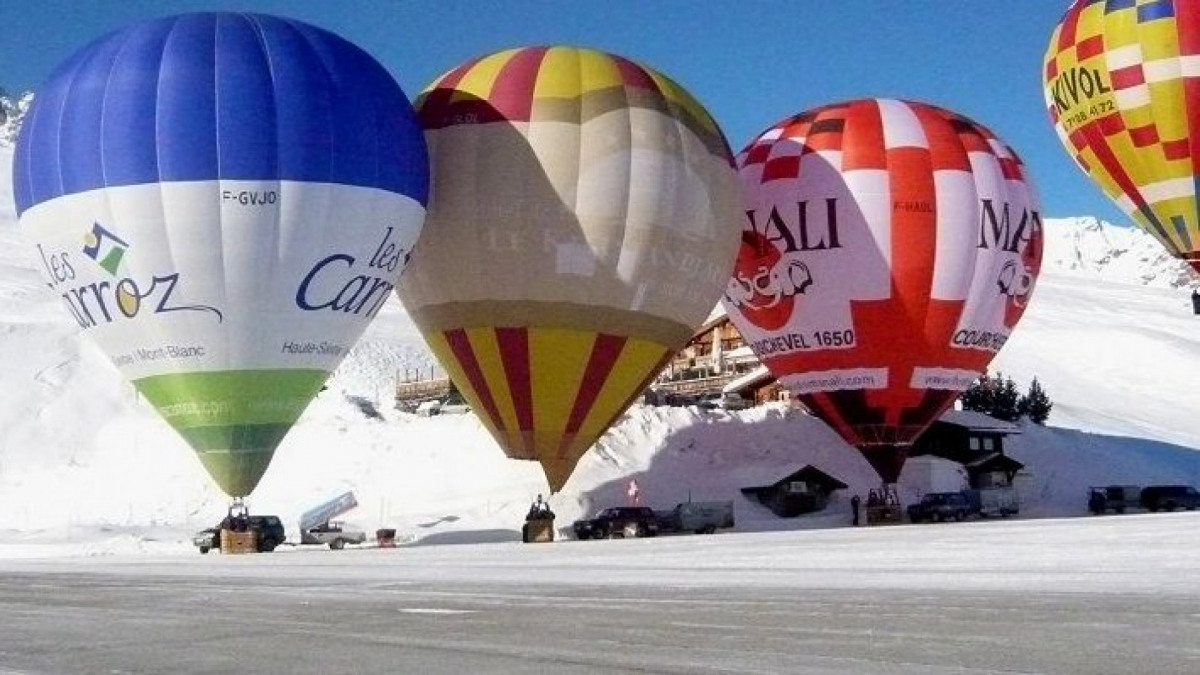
[[974, 442], [989, 443]]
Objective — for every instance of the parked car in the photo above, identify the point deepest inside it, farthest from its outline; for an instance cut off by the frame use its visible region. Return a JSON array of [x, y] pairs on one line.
[[698, 517], [724, 401], [1116, 498], [994, 501], [334, 534], [618, 521], [268, 531], [941, 506], [1170, 497]]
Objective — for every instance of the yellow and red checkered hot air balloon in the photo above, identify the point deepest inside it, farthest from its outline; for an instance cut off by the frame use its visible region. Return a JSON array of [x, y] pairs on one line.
[[1122, 84], [582, 224]]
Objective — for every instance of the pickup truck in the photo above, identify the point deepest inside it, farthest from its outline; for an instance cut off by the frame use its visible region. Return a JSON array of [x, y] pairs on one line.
[[698, 517], [941, 506], [618, 522], [334, 534]]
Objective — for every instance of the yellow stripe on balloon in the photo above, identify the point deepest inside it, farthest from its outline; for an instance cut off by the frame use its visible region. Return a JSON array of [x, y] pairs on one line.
[[487, 353], [558, 360], [1159, 39], [677, 95], [1170, 117], [599, 71], [458, 375], [638, 358], [559, 75], [478, 81]]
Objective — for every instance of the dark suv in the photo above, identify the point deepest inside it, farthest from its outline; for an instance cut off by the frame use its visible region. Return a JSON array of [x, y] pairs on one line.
[[618, 521], [268, 530], [940, 506], [1170, 497]]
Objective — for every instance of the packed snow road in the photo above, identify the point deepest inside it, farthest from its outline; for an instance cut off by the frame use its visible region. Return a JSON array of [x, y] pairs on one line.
[[1100, 595]]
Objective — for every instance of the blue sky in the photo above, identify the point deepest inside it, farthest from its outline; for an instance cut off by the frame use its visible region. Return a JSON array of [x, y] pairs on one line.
[[751, 62]]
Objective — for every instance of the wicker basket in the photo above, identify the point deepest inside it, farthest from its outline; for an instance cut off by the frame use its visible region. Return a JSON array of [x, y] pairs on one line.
[[238, 542]]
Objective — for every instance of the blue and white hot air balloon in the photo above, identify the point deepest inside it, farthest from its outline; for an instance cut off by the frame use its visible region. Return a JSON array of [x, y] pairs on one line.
[[223, 202]]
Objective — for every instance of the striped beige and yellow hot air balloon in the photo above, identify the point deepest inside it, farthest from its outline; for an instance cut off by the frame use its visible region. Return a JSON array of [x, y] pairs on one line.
[[583, 222]]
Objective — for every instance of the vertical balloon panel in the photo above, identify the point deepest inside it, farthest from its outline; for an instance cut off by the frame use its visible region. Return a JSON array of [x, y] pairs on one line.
[[887, 251], [225, 251]]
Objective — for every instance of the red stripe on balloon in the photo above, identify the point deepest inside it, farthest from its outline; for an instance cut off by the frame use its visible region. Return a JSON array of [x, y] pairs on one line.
[[662, 363], [633, 75], [1187, 23], [1130, 76], [1090, 47], [946, 151], [864, 125], [513, 90], [514, 355], [460, 345], [1070, 24], [606, 349]]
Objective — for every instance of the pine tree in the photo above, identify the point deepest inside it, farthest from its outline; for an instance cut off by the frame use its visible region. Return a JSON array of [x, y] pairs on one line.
[[980, 396], [1036, 404], [1006, 403]]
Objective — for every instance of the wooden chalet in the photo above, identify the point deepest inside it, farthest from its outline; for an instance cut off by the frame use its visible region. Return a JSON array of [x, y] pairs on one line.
[[716, 360], [974, 440], [802, 491]]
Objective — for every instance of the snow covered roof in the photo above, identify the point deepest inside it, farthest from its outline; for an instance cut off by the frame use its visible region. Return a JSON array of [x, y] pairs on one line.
[[768, 478], [996, 462], [978, 421], [755, 376]]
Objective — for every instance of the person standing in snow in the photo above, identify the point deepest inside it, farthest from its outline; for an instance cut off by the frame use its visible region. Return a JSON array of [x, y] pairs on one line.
[[854, 504], [539, 510]]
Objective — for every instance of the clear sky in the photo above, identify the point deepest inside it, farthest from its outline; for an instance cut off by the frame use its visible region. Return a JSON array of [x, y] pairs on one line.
[[751, 62]]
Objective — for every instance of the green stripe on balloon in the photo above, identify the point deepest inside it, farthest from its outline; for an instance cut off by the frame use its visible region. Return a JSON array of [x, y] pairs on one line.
[[233, 419]]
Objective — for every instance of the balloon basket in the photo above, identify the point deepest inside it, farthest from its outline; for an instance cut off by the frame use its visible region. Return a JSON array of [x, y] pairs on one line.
[[234, 542], [538, 531], [888, 514]]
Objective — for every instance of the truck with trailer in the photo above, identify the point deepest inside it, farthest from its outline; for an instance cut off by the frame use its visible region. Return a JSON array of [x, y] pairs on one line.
[[318, 527], [698, 517]]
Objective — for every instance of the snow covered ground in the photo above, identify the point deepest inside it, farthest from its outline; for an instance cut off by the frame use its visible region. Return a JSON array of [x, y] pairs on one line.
[[86, 469]]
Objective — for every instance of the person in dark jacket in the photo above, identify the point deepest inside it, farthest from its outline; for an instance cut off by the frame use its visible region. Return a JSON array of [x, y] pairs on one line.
[[855, 502]]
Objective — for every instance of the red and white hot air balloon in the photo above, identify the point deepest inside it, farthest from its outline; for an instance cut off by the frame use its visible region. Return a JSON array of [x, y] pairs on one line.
[[888, 250]]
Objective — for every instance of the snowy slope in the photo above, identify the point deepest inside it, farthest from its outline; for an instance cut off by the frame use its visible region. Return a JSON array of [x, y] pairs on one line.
[[1089, 248], [82, 457]]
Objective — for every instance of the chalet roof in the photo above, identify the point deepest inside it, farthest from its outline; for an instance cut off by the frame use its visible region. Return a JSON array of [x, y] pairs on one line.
[[718, 313], [995, 462], [759, 374], [977, 421], [716, 318], [807, 473]]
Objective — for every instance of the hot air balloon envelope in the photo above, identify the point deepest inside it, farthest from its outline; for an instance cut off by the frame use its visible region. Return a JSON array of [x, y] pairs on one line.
[[579, 231], [888, 249], [1121, 85], [223, 202]]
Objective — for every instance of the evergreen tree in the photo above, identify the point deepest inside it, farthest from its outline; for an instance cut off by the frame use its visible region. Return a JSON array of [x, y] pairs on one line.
[[1036, 404], [980, 396], [1007, 399]]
